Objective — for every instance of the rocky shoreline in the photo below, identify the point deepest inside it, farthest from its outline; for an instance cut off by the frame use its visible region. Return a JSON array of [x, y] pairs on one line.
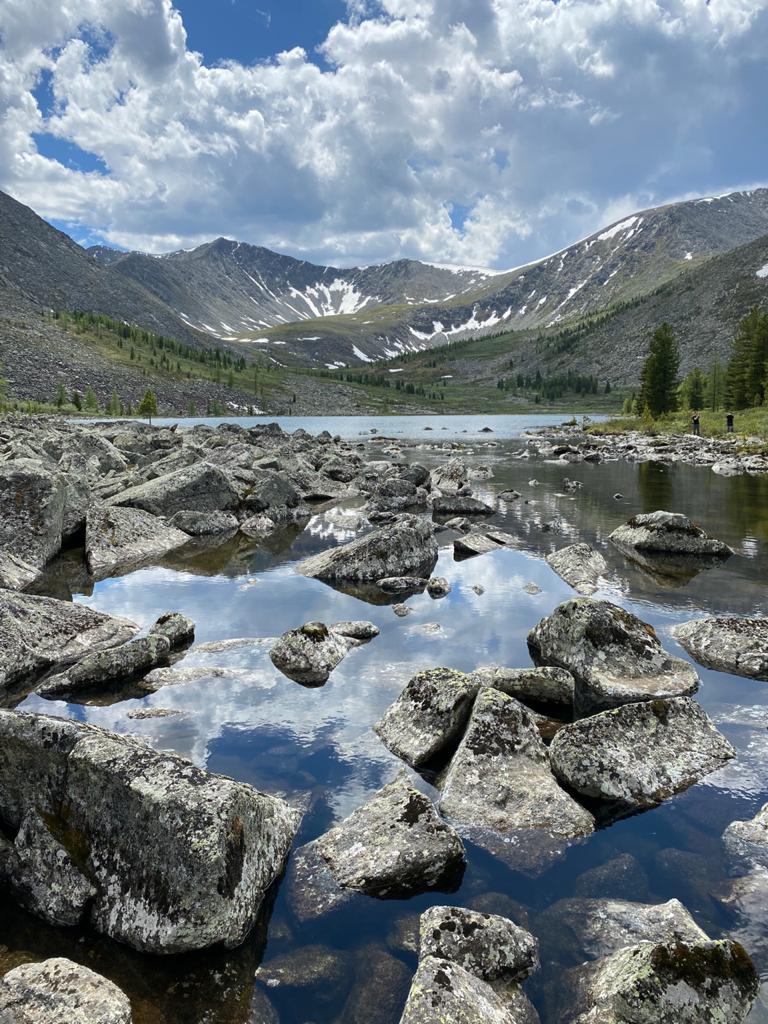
[[102, 831]]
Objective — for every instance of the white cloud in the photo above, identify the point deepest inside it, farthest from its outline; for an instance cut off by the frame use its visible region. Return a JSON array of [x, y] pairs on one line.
[[541, 120]]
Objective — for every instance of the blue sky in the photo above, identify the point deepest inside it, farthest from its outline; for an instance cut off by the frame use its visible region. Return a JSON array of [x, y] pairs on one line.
[[475, 132]]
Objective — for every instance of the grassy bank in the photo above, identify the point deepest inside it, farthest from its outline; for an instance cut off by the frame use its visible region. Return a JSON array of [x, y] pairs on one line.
[[747, 423]]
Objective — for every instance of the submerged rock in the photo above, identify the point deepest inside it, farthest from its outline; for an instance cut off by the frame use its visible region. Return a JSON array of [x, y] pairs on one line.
[[309, 654], [380, 988], [444, 991], [308, 967], [429, 716], [406, 548], [200, 487], [669, 532], [41, 633], [500, 776], [639, 754], [727, 644], [614, 657], [59, 991], [108, 669], [180, 859], [580, 566], [118, 537], [488, 946]]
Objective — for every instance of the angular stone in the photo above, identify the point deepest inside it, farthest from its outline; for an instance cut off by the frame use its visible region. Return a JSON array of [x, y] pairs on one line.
[[40, 633], [406, 548], [32, 505], [178, 630], [204, 524], [669, 532], [460, 505], [258, 526], [500, 777], [15, 573], [398, 584], [359, 630], [545, 685], [380, 988], [727, 644], [614, 657], [747, 841], [200, 487], [481, 543], [444, 992], [429, 715], [59, 991], [640, 754], [118, 537], [580, 566], [109, 669], [488, 946], [309, 654], [450, 478]]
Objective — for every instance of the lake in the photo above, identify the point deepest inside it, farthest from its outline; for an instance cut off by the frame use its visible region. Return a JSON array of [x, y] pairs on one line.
[[246, 720]]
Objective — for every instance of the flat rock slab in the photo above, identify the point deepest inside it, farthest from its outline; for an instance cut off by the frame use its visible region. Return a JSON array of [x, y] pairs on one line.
[[15, 573], [59, 991], [640, 754], [545, 685], [472, 544], [119, 537], [500, 777], [460, 505], [487, 945], [614, 657], [41, 633], [580, 566], [444, 991], [109, 669], [200, 487], [668, 532], [180, 859], [429, 716], [406, 548], [726, 644]]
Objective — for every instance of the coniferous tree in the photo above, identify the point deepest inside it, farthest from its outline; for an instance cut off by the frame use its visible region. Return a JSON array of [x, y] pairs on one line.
[[658, 388], [148, 405], [714, 390], [745, 379], [61, 396], [91, 401], [77, 400], [693, 390]]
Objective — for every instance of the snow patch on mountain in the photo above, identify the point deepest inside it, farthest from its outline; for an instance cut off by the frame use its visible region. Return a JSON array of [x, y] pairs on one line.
[[763, 271]]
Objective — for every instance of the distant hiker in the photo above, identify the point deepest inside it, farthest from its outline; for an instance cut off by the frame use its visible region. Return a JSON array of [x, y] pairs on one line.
[[696, 423], [729, 422]]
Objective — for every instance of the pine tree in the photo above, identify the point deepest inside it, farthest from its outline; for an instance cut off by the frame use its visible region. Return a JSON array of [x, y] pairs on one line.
[[148, 405], [693, 390], [745, 379], [714, 391], [91, 401], [61, 396], [658, 388], [77, 400]]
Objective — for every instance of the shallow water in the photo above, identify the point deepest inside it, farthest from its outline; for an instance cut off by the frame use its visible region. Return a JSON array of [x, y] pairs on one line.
[[317, 744]]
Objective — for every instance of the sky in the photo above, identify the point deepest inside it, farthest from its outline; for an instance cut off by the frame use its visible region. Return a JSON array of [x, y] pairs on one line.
[[473, 132]]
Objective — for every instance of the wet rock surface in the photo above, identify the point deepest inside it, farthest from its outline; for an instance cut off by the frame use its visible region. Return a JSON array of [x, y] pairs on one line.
[[541, 686], [487, 945], [580, 566], [59, 991], [727, 644], [667, 532]]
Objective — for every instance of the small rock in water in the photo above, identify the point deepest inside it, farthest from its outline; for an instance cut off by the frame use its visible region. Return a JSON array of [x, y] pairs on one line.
[[438, 587], [399, 584], [617, 496], [532, 589], [727, 644], [142, 714], [309, 654], [406, 548], [667, 532], [401, 610], [59, 991], [580, 566], [478, 588], [747, 841], [258, 526], [486, 945], [178, 630]]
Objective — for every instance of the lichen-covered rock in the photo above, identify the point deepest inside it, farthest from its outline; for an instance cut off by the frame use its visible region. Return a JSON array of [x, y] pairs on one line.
[[429, 715], [639, 754], [115, 667], [488, 946], [669, 532], [201, 487], [747, 841], [500, 777], [614, 657], [442, 991], [460, 505], [399, 584], [473, 543], [32, 505], [118, 537], [727, 644], [309, 654], [180, 859], [59, 991], [438, 587], [406, 548], [545, 685], [358, 630], [178, 630], [667, 983], [41, 633], [204, 524], [450, 478], [580, 566], [320, 969], [15, 573], [258, 526]]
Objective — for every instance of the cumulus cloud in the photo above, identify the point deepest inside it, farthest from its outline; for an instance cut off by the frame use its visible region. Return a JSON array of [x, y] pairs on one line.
[[537, 121]]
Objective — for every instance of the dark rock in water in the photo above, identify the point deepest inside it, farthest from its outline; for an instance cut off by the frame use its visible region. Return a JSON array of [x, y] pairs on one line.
[[307, 968], [668, 532], [402, 584], [258, 526], [380, 988], [119, 537], [407, 548], [41, 633], [200, 487], [429, 715], [395, 845], [438, 587], [614, 879], [580, 566], [444, 991], [542, 686], [614, 657], [178, 630], [32, 506], [204, 524], [639, 754], [106, 669], [727, 644], [180, 859], [459, 505], [58, 991], [486, 945], [309, 654], [500, 776], [668, 983]]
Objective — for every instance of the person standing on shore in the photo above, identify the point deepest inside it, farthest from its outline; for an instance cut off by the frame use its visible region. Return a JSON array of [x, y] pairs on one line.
[[696, 424], [729, 422]]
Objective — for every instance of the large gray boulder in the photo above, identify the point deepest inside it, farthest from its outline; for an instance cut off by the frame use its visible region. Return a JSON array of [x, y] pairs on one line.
[[460, 505], [487, 945], [41, 633], [395, 845], [639, 754], [668, 533], [204, 524], [727, 644], [119, 537], [580, 566], [309, 654], [500, 777], [442, 991], [666, 983], [429, 715], [180, 859], [15, 573], [59, 991], [406, 548], [614, 657], [109, 669], [33, 500], [200, 487]]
